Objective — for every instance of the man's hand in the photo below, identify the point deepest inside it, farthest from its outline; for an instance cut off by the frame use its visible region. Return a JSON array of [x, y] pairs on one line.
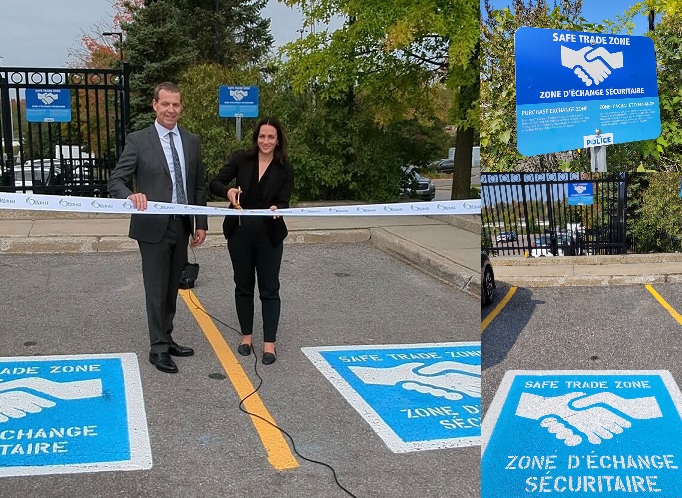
[[199, 237], [139, 200]]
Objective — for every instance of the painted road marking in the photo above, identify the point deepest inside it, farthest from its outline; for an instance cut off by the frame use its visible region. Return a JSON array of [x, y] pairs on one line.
[[414, 396], [665, 304], [276, 447], [498, 308], [69, 414], [583, 433]]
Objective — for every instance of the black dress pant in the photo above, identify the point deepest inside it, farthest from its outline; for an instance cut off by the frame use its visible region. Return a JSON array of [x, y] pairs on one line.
[[162, 264], [252, 254]]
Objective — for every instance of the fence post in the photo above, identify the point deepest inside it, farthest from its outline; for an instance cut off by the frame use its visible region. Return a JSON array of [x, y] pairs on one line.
[[525, 213], [7, 159]]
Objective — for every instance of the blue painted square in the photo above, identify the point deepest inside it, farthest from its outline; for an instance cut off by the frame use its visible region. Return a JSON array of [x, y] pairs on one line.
[[571, 83], [51, 105], [65, 414], [239, 101], [583, 433], [416, 396], [580, 194]]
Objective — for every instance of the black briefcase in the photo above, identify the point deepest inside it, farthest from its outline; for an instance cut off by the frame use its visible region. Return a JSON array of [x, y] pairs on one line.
[[189, 275]]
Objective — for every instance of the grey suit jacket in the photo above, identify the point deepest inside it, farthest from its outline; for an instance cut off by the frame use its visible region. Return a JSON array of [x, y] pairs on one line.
[[143, 157]]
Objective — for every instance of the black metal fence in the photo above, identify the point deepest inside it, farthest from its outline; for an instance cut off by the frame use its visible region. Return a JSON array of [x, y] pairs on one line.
[[66, 156], [529, 213]]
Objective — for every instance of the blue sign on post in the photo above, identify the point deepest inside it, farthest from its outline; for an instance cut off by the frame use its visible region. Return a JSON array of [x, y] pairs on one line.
[[415, 396], [570, 84], [238, 101], [580, 194], [583, 433], [67, 414], [48, 105]]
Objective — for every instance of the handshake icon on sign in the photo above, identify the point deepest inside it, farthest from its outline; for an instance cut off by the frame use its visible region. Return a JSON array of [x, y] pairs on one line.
[[591, 65]]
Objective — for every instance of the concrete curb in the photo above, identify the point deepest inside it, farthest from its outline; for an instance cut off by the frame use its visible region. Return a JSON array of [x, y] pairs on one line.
[[427, 261], [587, 260], [469, 222]]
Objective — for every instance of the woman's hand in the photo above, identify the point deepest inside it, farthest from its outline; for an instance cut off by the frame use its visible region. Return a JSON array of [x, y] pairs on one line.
[[274, 208], [233, 197]]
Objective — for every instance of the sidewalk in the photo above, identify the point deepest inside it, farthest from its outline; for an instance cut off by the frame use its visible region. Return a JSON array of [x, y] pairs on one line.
[[445, 247], [627, 269]]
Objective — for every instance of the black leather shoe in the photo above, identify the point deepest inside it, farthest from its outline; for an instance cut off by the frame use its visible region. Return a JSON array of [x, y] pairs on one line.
[[269, 358], [244, 349], [163, 362], [176, 350]]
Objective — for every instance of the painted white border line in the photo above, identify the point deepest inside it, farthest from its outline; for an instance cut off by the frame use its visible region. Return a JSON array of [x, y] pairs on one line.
[[495, 408], [392, 440], [138, 433]]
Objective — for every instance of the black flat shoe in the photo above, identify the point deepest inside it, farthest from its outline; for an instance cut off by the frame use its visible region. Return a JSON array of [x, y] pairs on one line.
[[269, 358], [163, 362], [244, 349], [176, 350]]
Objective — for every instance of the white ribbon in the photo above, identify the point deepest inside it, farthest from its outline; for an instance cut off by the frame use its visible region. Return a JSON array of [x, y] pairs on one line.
[[34, 202]]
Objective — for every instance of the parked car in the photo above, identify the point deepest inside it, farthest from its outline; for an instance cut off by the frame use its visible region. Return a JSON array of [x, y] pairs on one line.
[[542, 245], [506, 237], [414, 185], [487, 281], [448, 165]]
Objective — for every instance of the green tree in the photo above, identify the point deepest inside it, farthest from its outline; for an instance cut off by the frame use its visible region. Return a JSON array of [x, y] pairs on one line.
[[395, 57]]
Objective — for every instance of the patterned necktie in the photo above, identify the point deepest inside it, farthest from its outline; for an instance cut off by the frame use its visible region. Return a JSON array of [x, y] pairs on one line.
[[179, 185]]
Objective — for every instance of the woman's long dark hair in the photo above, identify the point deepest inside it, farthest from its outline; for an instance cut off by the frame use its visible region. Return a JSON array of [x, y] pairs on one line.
[[280, 148]]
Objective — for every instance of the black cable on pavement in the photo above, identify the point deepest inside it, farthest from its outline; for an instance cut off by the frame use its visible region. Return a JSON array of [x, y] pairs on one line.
[[260, 383]]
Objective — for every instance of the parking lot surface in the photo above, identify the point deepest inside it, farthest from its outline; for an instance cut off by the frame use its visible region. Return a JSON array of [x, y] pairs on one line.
[[201, 443]]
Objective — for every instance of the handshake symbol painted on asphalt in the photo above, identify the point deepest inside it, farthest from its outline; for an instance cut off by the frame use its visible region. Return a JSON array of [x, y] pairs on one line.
[[593, 416], [444, 379], [591, 65]]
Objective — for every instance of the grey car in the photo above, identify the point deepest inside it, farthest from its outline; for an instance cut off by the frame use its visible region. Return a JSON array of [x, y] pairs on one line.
[[414, 185]]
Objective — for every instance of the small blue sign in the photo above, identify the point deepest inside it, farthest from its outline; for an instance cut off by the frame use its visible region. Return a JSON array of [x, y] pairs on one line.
[[66, 414], [583, 433], [238, 101], [415, 396], [580, 194], [51, 105], [569, 84]]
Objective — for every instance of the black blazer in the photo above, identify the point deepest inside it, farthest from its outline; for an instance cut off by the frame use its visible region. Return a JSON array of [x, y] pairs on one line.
[[143, 156], [279, 183]]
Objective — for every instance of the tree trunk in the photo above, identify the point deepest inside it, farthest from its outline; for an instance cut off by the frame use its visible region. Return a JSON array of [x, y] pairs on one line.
[[461, 175]]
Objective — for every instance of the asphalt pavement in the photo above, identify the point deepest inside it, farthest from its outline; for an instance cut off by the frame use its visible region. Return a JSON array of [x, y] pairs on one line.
[[73, 287]]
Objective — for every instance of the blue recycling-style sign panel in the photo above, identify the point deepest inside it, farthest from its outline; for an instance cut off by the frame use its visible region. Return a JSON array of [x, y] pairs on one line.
[[569, 84], [580, 193], [68, 414], [415, 396], [238, 101], [51, 105], [583, 433]]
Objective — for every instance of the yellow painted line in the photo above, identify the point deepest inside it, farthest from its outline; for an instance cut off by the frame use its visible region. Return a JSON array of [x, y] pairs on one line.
[[665, 304], [279, 454], [498, 308]]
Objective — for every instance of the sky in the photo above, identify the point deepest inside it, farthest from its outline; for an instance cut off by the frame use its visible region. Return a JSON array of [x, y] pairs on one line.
[[597, 11], [42, 33]]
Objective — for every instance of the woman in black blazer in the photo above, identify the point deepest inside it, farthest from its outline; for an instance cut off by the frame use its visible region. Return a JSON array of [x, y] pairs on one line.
[[264, 180]]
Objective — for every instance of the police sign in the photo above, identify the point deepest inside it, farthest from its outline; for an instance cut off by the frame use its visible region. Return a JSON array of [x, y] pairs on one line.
[[570, 84]]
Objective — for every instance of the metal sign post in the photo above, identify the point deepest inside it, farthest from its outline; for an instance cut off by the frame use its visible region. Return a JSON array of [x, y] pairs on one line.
[[239, 127]]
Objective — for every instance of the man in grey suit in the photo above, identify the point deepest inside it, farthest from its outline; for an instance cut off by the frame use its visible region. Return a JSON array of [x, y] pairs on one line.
[[166, 163]]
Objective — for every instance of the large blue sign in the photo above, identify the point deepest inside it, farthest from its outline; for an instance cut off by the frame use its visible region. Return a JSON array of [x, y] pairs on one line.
[[66, 414], [583, 433], [570, 84], [51, 105], [580, 193], [238, 101], [415, 396]]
